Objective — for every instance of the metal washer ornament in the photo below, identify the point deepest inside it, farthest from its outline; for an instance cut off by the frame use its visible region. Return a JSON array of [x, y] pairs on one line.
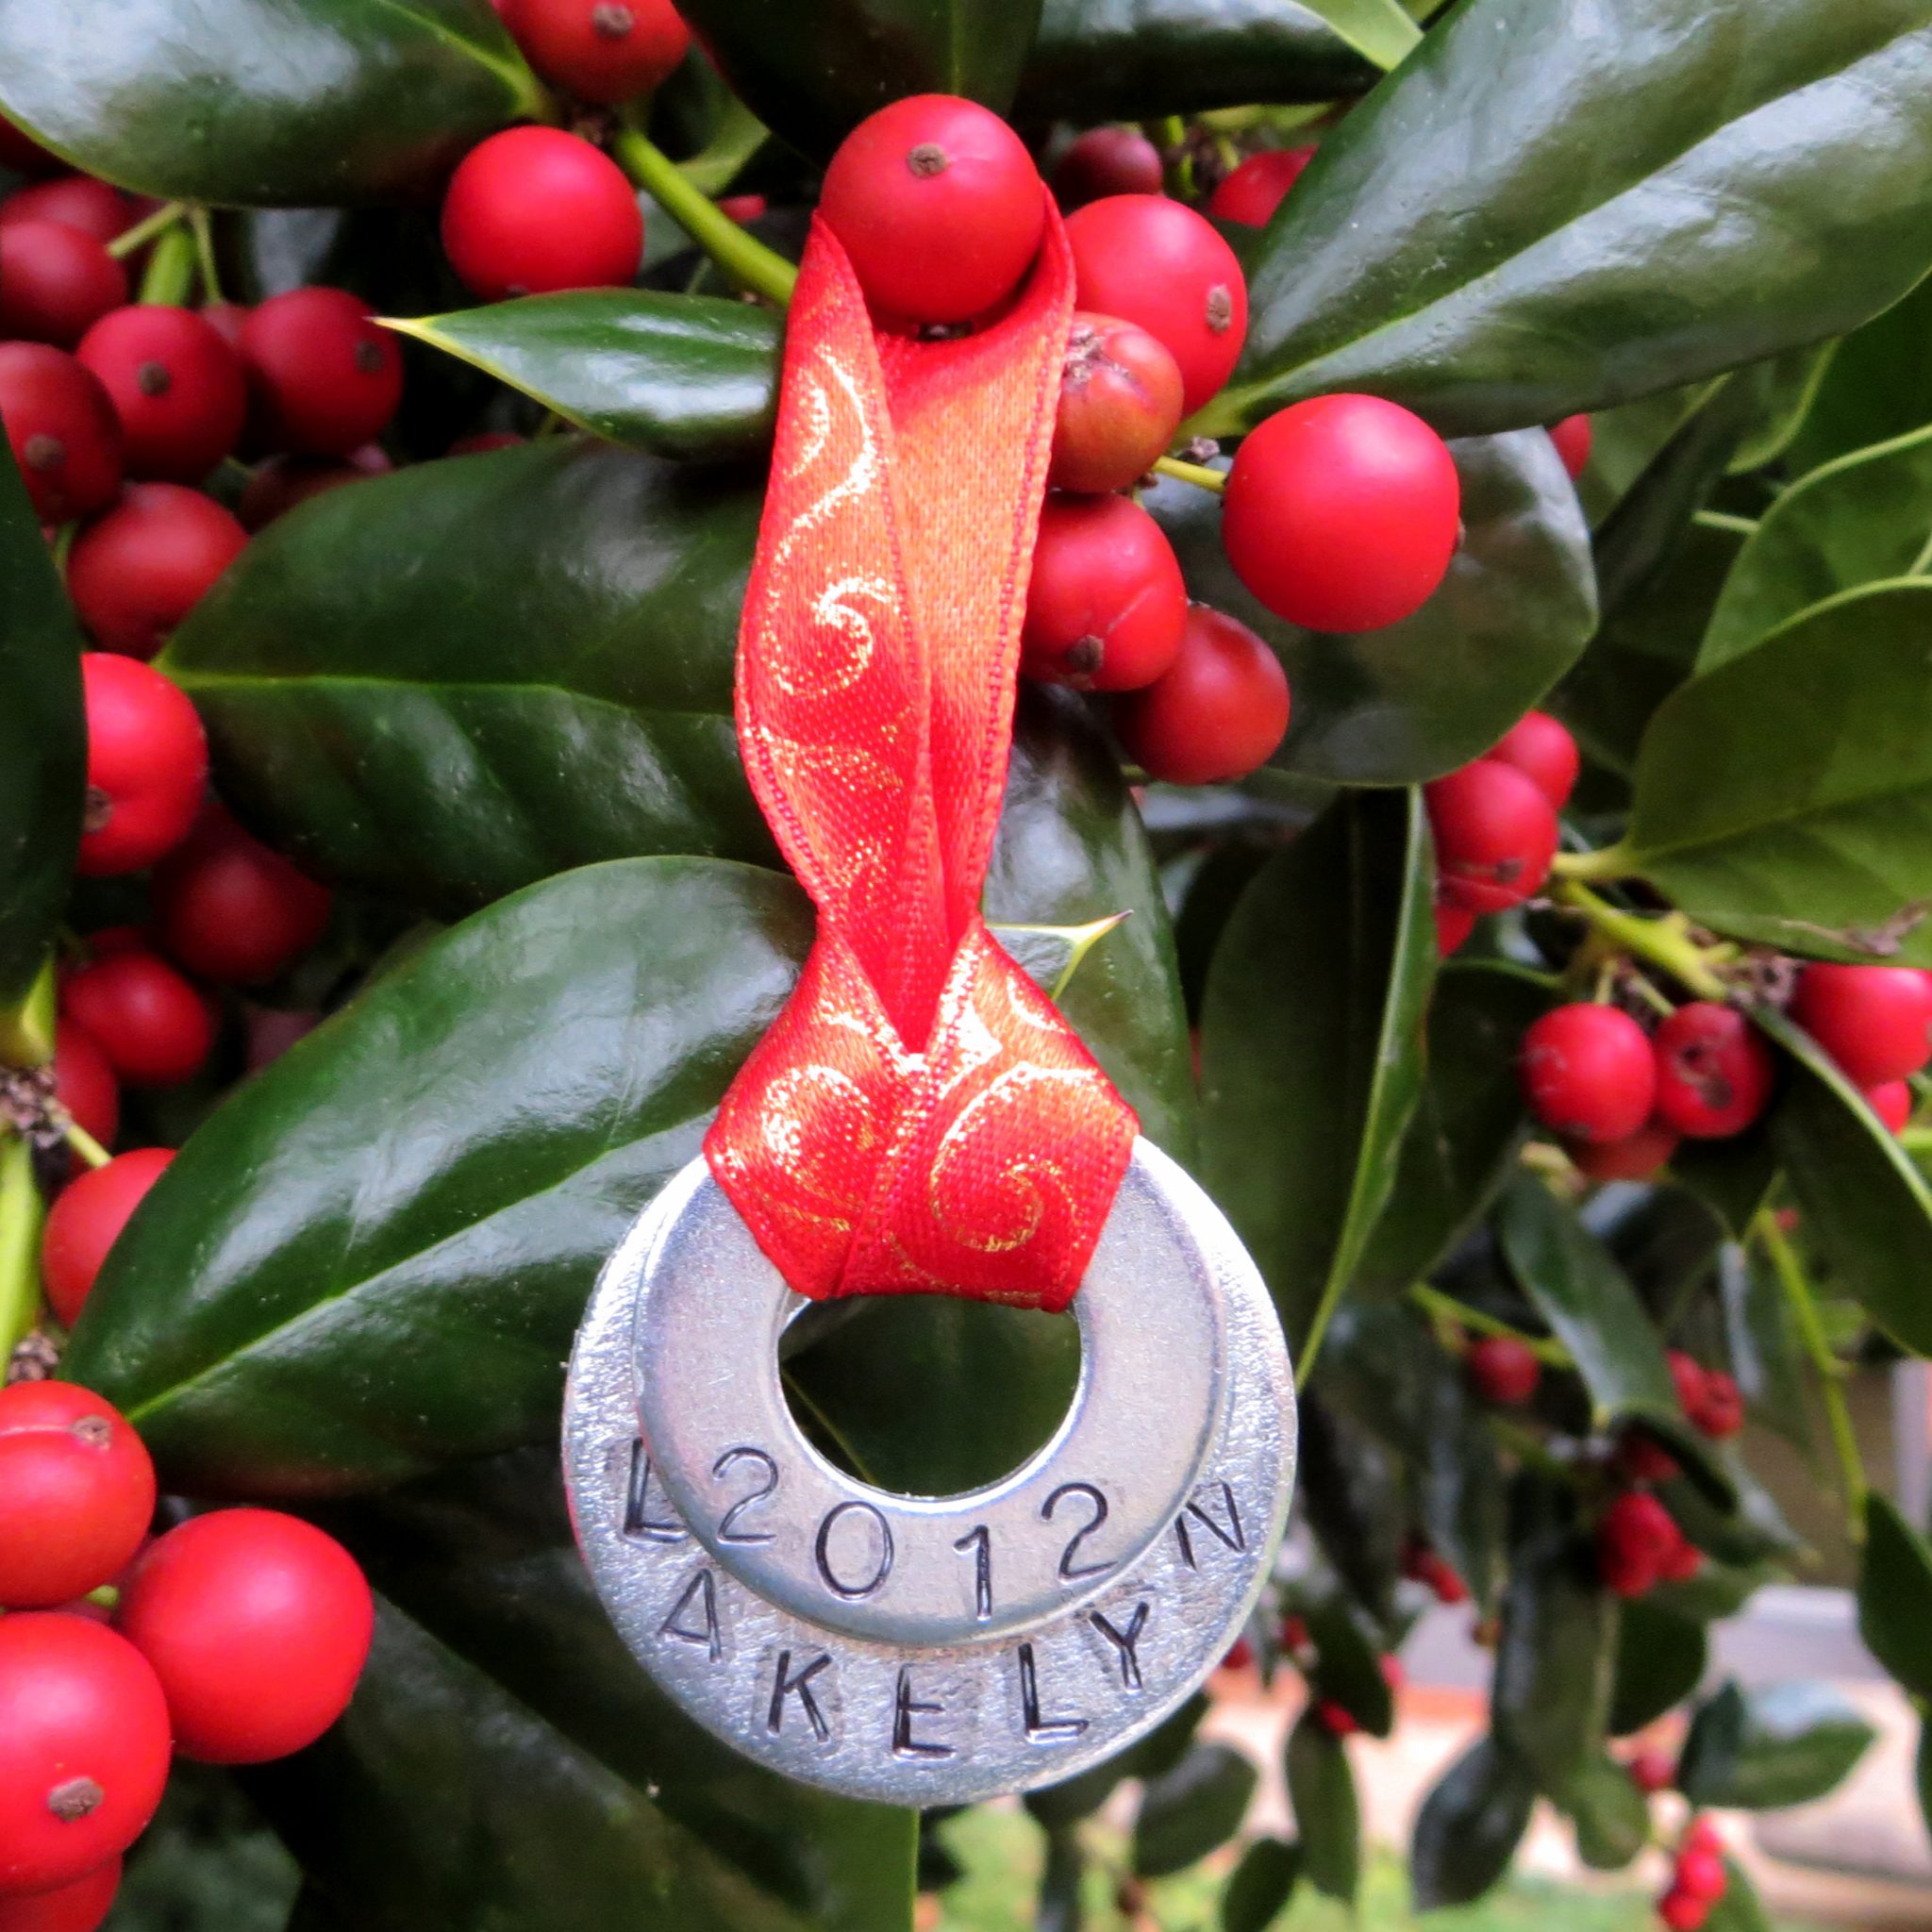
[[931, 1651]]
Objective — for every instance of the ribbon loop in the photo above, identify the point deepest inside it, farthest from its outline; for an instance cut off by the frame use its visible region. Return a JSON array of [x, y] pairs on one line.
[[919, 1118]]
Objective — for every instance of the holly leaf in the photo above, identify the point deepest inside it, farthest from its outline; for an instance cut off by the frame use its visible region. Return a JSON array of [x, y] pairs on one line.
[[1409, 702], [1740, 1909], [1327, 1813], [680, 376], [1348, 1661], [42, 741], [1877, 385], [1260, 1885], [1866, 1205], [812, 73], [1570, 261], [1863, 519], [1895, 1597], [1661, 1659], [1760, 1339], [1469, 1826], [1611, 1817], [1462, 1142], [1786, 797], [1188, 1811], [1773, 1745], [1317, 990], [1137, 59], [255, 104]]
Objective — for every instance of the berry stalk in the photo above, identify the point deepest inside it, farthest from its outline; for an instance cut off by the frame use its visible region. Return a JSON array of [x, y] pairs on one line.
[[20, 1244], [1665, 944], [742, 257]]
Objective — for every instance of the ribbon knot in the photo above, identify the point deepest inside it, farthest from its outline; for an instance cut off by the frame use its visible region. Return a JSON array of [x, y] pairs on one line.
[[921, 1119]]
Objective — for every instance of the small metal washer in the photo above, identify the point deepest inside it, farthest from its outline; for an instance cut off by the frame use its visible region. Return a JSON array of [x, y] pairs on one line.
[[986, 1706]]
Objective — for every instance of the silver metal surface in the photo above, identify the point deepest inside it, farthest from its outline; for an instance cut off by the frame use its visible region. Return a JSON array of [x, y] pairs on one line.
[[922, 1649]]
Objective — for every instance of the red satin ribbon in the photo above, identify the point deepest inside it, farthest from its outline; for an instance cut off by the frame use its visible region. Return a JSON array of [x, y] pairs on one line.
[[919, 1118]]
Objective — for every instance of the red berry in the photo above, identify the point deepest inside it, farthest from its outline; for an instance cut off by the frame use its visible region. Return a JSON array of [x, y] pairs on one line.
[[154, 1028], [256, 1624], [1874, 1021], [146, 765], [62, 428], [84, 1083], [1542, 748], [1571, 436], [78, 1907], [1688, 1377], [87, 1221], [1719, 1413], [228, 320], [1343, 513], [1495, 835], [138, 570], [1714, 1074], [1219, 712], [282, 483], [1634, 1537], [1640, 1459], [79, 201], [1106, 608], [1392, 1672], [1652, 1771], [1701, 1872], [1254, 189], [1294, 1634], [1240, 1654], [1588, 1071], [232, 910], [1334, 1719], [177, 386], [1120, 404], [605, 51], [325, 377], [533, 210], [22, 152], [1701, 1835], [938, 206], [1892, 1101], [1108, 160], [55, 281], [83, 1748], [1681, 1911], [1442, 1578], [1153, 262], [1633, 1159], [1454, 924], [77, 1493], [1503, 1370]]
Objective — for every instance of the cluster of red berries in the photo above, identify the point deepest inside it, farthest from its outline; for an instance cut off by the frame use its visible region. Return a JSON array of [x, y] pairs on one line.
[[232, 1638], [1698, 1878], [1429, 1567], [1639, 1546]]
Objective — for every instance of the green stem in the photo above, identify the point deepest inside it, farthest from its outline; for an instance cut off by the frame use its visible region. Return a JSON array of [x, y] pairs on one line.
[[169, 270], [203, 227], [20, 1244], [1612, 862], [142, 232], [1830, 1371], [742, 257], [1199, 474], [1664, 942], [723, 158], [85, 1145], [26, 1030], [1432, 1301]]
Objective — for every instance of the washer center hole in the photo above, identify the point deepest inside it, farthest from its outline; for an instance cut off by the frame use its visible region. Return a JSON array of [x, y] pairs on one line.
[[928, 1395]]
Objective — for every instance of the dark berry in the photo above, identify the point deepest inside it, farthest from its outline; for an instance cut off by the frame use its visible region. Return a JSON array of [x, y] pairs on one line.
[[233, 910], [152, 1025], [1105, 608], [138, 571], [1120, 404], [55, 282], [1217, 713], [61, 427], [1107, 161], [1714, 1074], [1503, 1370]]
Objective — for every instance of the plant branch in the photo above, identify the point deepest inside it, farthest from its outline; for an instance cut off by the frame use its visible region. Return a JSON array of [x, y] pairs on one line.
[[1199, 474], [169, 270], [1612, 862], [84, 1144], [742, 257], [1664, 942], [1830, 1371], [1432, 1301], [145, 232], [20, 1244], [202, 226]]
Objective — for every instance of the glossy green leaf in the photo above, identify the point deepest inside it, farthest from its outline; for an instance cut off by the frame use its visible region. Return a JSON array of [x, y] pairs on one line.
[[1187, 1812], [1469, 1826], [1786, 797], [674, 375], [485, 1585], [1610, 1816], [1775, 1745], [1136, 60], [1327, 1813], [1861, 520], [1866, 1205], [1318, 989], [1624, 441], [374, 1255], [1555, 1658], [1420, 697], [262, 103], [1570, 259], [1783, 389], [1462, 1141], [43, 741], [1059, 1807], [1895, 1597], [1740, 1909], [1348, 1661], [1589, 1302], [1260, 1885], [810, 73], [1661, 1659], [1349, 1485], [1877, 385]]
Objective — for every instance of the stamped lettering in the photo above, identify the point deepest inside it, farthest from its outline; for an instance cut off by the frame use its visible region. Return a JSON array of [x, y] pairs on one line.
[[1039, 1729], [1127, 1643], [905, 1708], [788, 1683], [1230, 1535], [639, 1521], [1071, 1570], [728, 1531], [854, 1580], [979, 1540], [693, 1617]]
